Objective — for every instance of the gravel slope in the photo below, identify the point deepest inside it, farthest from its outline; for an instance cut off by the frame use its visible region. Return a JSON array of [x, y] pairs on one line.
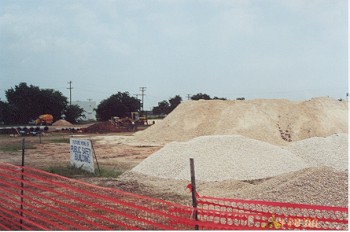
[[220, 157], [331, 151]]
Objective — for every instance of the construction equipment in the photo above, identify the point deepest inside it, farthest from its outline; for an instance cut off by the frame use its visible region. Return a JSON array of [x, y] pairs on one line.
[[44, 119], [130, 123], [139, 120]]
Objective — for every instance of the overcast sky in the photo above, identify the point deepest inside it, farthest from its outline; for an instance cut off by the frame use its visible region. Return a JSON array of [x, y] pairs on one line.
[[295, 49]]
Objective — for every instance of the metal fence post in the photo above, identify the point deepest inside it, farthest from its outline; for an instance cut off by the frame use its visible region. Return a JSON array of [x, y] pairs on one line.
[[194, 199], [22, 184]]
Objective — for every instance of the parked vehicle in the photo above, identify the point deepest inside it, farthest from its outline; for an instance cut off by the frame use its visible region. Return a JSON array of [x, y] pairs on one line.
[[44, 119]]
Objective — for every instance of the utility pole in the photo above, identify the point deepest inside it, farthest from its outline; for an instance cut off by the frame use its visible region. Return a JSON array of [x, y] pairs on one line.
[[89, 99], [142, 89], [188, 96], [70, 93]]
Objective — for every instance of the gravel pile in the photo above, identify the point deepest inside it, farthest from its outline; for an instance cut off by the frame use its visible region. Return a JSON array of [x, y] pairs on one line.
[[276, 121], [226, 157], [317, 185], [331, 151], [219, 158], [62, 122], [275, 150], [321, 186]]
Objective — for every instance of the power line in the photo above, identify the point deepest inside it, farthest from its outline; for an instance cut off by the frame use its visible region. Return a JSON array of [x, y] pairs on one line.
[[70, 92]]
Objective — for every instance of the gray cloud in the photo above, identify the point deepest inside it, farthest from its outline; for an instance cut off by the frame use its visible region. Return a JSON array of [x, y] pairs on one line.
[[221, 47]]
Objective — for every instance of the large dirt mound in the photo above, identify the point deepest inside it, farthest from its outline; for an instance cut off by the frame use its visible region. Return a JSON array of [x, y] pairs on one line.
[[276, 121]]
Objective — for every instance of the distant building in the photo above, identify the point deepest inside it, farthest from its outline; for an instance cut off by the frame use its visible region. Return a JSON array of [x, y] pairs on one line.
[[88, 107]]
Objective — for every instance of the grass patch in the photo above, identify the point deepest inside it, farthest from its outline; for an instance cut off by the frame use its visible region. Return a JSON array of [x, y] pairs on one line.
[[59, 140], [71, 172], [15, 147]]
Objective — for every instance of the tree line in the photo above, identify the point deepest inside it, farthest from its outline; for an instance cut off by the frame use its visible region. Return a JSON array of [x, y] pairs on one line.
[[25, 103], [165, 107]]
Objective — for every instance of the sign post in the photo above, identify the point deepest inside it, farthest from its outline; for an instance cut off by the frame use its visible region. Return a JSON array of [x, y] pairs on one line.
[[93, 149], [81, 154]]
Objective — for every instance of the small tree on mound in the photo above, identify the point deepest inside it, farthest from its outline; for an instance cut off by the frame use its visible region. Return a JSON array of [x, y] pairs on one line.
[[205, 96], [200, 96]]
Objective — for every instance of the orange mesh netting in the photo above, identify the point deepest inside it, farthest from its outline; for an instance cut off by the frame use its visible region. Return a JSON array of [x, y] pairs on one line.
[[32, 199]]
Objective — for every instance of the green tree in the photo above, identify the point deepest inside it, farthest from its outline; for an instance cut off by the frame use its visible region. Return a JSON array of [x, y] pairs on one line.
[[73, 113], [219, 98], [28, 102], [200, 96], [174, 102], [119, 104], [162, 108], [205, 96], [52, 102], [7, 113], [2, 107], [165, 107]]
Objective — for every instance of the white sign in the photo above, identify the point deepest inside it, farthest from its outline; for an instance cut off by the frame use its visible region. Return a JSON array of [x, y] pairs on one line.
[[81, 154]]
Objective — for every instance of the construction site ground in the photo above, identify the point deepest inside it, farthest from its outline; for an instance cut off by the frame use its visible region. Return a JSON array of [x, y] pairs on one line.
[[114, 153], [262, 149], [53, 152]]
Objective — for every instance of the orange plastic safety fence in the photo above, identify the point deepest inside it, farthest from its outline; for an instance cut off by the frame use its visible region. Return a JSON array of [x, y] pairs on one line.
[[52, 202], [74, 205], [274, 215]]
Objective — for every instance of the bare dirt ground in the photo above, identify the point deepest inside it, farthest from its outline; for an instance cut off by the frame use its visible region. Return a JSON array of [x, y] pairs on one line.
[[54, 150], [111, 152]]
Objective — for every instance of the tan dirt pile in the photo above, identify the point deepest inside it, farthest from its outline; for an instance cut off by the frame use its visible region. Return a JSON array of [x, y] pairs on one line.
[[62, 122], [220, 157], [276, 121]]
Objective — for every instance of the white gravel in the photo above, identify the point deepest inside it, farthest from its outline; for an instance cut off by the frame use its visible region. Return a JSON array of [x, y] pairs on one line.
[[331, 151], [220, 157], [235, 157]]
